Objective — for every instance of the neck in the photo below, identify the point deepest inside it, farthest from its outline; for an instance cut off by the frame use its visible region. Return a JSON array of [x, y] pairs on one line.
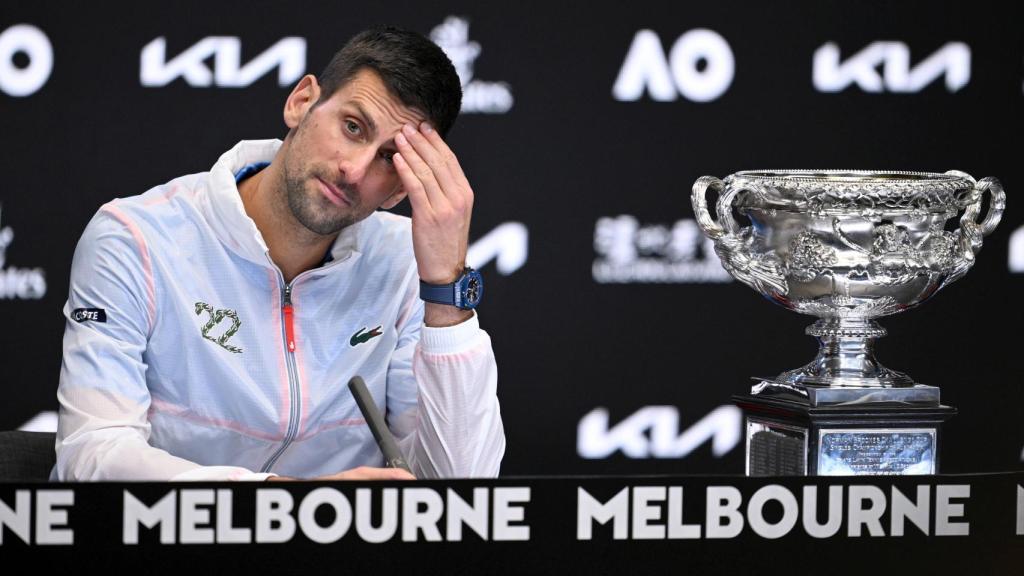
[[293, 247]]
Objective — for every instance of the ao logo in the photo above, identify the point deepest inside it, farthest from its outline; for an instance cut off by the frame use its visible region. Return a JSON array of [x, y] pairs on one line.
[[35, 46], [507, 245], [595, 439], [700, 66], [953, 60], [288, 55]]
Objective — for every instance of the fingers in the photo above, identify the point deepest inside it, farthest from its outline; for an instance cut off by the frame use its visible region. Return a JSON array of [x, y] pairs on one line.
[[450, 160], [370, 473], [433, 157], [425, 156], [423, 176], [442, 202], [412, 185]]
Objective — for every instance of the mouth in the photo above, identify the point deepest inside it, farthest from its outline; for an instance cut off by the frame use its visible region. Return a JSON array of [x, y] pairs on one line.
[[333, 194]]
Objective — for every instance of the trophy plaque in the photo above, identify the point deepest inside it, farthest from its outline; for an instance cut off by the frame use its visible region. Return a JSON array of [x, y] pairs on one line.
[[847, 247]]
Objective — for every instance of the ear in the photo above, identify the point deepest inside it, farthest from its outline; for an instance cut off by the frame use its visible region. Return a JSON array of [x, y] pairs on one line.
[[396, 197], [303, 97]]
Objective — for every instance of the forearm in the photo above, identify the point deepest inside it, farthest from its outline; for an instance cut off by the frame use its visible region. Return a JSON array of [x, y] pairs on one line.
[[94, 443], [459, 432]]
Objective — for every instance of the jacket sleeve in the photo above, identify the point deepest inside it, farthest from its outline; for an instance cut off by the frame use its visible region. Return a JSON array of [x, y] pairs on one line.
[[442, 396], [103, 428]]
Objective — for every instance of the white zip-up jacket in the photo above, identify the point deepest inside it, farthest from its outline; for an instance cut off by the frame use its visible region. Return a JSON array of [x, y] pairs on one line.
[[183, 359]]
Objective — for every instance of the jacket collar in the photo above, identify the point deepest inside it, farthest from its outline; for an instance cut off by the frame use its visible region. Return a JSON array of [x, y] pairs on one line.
[[226, 213]]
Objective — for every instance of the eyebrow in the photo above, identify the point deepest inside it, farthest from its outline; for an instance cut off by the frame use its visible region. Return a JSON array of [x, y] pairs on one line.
[[366, 118]]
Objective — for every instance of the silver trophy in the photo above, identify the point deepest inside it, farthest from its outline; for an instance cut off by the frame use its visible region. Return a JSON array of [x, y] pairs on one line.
[[847, 247]]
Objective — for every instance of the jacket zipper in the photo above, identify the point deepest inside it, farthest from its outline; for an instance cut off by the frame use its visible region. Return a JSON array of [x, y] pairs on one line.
[[288, 335]]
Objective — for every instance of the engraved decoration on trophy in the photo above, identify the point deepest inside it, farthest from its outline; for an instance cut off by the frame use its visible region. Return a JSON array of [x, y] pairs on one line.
[[847, 247]]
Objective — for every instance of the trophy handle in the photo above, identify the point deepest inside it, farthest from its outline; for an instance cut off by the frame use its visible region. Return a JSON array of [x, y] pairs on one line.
[[997, 205], [971, 232], [763, 273], [726, 225]]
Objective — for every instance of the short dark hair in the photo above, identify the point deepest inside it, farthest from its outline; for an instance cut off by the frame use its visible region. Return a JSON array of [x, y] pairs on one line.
[[415, 69]]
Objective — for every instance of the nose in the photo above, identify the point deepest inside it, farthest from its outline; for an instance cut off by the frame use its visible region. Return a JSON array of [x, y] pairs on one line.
[[355, 163]]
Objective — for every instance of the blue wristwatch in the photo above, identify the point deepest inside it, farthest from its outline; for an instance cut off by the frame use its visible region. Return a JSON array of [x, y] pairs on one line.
[[465, 293]]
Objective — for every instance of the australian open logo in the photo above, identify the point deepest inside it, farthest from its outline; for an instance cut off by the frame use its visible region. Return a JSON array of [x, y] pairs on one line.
[[477, 95], [18, 283]]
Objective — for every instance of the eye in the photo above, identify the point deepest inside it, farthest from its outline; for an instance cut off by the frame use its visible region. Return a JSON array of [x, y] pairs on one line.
[[388, 156], [353, 128]]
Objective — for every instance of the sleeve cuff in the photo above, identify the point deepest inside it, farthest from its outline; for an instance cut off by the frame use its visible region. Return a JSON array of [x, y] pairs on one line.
[[450, 339]]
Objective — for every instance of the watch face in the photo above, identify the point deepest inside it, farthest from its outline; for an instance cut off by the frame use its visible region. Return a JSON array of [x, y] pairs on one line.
[[473, 290]]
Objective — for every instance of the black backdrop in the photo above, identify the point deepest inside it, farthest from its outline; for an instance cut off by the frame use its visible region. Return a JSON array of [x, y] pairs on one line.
[[598, 186]]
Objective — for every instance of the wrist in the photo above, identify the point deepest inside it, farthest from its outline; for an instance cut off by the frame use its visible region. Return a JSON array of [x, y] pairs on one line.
[[464, 293], [443, 315]]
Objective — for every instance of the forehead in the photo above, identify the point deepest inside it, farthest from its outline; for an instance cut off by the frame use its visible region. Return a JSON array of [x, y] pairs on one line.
[[366, 93]]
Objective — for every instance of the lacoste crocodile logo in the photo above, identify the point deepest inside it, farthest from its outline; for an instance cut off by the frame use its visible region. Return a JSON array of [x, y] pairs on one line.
[[359, 337]]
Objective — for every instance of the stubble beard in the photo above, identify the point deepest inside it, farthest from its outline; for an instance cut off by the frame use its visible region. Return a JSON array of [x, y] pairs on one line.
[[308, 206]]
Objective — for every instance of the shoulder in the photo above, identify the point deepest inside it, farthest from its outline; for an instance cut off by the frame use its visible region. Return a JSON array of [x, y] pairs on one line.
[[160, 211], [133, 227]]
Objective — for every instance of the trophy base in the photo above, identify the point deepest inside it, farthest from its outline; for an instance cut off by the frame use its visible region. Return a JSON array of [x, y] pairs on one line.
[[826, 434], [820, 395]]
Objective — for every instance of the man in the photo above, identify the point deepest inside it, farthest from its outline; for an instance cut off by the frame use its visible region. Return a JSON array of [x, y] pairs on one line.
[[215, 321]]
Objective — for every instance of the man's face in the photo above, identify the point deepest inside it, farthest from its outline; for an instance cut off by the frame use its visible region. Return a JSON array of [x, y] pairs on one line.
[[338, 168]]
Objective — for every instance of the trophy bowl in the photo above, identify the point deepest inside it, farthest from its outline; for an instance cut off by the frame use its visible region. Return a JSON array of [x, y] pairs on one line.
[[847, 246]]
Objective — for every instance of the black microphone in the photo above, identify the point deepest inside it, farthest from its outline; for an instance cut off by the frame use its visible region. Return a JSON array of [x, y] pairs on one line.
[[392, 456]]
